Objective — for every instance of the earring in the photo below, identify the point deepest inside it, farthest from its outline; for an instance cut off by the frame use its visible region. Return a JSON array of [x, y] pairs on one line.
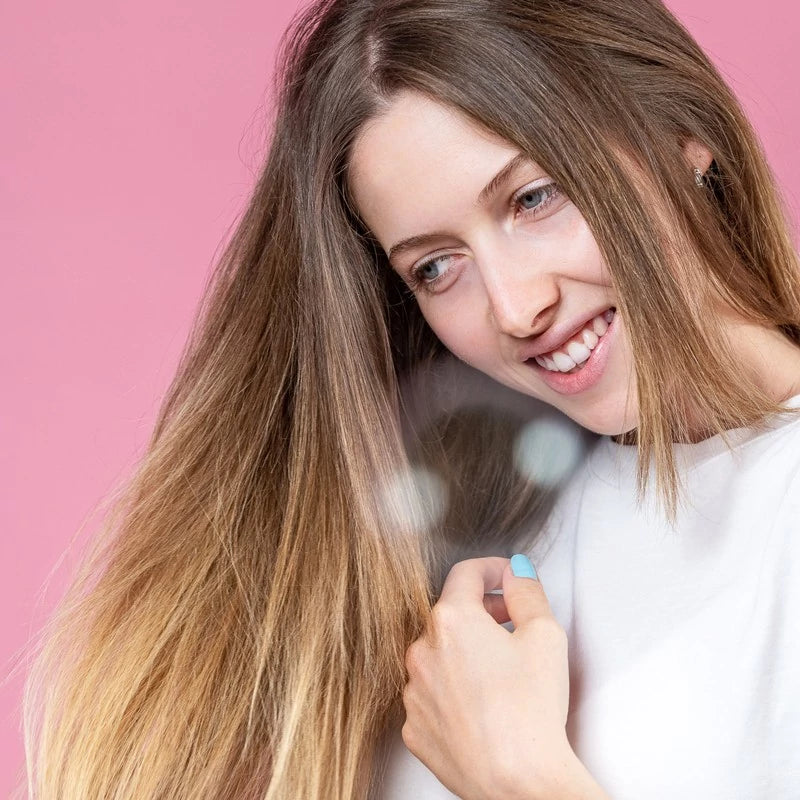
[[699, 180]]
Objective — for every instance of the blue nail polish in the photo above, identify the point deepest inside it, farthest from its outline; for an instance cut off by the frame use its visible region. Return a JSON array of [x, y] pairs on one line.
[[521, 567]]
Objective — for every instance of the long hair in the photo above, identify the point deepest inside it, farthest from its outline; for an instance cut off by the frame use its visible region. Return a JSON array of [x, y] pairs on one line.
[[240, 627]]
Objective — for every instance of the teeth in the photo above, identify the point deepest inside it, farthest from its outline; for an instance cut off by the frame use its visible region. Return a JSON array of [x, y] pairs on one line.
[[578, 352], [579, 348], [563, 361], [547, 363]]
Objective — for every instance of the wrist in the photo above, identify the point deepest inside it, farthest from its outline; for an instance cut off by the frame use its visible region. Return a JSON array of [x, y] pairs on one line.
[[578, 783], [566, 779]]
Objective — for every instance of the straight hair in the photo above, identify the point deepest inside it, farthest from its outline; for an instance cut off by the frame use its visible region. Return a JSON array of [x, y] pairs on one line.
[[239, 628]]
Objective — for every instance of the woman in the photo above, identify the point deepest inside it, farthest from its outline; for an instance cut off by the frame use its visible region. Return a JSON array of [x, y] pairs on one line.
[[602, 235]]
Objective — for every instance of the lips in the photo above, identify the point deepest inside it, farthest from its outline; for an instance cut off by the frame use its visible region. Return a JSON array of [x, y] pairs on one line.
[[558, 334], [579, 348], [569, 383]]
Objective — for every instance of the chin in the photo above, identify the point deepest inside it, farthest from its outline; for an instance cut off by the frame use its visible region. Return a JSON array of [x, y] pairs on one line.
[[613, 423]]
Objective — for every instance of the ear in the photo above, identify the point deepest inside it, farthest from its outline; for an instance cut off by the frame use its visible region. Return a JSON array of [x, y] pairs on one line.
[[697, 154]]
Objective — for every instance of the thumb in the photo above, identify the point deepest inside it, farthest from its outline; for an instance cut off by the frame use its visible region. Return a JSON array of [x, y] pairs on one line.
[[522, 592]]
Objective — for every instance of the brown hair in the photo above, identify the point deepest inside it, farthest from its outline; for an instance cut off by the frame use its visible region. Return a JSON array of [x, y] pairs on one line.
[[240, 629]]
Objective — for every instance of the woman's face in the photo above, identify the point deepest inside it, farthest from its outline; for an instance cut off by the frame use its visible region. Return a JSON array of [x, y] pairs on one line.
[[510, 280]]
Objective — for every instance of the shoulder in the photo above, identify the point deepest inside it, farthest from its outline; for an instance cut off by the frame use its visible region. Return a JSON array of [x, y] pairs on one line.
[[763, 490], [773, 452]]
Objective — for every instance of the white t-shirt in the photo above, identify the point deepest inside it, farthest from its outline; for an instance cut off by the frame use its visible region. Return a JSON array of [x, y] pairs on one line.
[[684, 644]]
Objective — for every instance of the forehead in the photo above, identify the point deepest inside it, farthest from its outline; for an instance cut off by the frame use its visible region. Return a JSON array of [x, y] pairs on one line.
[[419, 165]]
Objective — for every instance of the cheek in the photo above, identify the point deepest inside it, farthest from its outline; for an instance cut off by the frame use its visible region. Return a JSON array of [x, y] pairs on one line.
[[464, 329], [580, 253]]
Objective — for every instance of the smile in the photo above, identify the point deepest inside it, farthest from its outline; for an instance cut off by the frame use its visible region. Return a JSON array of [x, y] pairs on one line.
[[578, 363]]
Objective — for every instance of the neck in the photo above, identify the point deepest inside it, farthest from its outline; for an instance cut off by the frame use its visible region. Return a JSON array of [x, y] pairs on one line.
[[770, 357]]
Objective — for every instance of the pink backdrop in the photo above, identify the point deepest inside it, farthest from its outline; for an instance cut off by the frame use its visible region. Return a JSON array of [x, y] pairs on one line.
[[131, 135]]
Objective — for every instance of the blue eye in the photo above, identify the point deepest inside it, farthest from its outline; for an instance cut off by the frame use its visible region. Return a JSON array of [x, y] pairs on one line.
[[545, 194], [428, 269], [528, 195], [427, 273]]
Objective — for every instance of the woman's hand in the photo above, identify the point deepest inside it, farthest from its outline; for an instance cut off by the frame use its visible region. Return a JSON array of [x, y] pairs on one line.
[[486, 708]]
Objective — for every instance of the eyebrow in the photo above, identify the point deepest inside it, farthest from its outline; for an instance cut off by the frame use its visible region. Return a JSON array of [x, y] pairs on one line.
[[416, 241]]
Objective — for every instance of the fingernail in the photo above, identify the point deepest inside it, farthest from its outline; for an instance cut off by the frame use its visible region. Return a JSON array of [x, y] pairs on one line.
[[522, 568]]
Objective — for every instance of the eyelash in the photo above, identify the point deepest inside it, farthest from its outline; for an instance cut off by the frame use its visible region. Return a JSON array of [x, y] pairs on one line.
[[416, 280]]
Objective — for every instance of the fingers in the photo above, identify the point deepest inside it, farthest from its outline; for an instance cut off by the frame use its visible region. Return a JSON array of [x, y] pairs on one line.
[[524, 598], [496, 606], [469, 580]]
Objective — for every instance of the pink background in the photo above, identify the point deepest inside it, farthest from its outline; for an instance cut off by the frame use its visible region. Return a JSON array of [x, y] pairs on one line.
[[131, 135]]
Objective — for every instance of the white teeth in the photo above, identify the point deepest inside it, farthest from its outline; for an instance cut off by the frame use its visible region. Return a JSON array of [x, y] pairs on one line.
[[578, 352], [599, 326], [563, 361]]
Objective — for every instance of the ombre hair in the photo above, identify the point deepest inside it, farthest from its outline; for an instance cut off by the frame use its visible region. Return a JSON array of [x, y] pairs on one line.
[[239, 629]]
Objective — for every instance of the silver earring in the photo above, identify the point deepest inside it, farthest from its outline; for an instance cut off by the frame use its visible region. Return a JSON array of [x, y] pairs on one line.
[[699, 180]]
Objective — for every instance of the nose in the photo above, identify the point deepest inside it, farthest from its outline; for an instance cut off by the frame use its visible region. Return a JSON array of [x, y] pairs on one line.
[[522, 295]]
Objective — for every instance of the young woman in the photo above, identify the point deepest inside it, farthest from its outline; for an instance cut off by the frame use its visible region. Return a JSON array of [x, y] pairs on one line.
[[564, 195]]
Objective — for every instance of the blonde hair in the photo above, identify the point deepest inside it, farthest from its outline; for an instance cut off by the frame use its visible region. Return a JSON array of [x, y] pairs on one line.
[[239, 629]]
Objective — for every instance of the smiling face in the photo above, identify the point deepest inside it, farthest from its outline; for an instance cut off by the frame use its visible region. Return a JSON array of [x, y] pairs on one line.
[[511, 279]]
